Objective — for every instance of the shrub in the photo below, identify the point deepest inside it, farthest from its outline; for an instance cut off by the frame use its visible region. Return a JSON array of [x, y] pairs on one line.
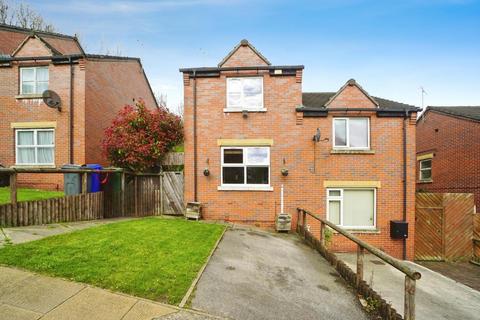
[[138, 137]]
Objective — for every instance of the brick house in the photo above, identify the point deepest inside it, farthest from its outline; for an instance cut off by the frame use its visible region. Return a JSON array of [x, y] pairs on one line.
[[91, 89], [249, 129], [448, 150]]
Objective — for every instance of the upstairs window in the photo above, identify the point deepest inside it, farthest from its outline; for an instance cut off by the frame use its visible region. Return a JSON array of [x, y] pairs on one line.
[[351, 133], [33, 80], [245, 93], [248, 166], [35, 146], [426, 170]]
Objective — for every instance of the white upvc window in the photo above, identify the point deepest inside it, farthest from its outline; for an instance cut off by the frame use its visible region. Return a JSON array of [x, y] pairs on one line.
[[245, 168], [35, 146], [245, 93], [351, 133], [425, 172], [33, 80], [353, 208]]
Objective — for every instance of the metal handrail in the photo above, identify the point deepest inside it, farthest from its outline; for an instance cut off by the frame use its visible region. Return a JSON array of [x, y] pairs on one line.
[[410, 274]]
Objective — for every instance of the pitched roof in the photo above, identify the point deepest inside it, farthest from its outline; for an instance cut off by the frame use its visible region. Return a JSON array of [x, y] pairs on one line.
[[318, 100], [470, 112], [244, 42], [351, 82], [12, 37]]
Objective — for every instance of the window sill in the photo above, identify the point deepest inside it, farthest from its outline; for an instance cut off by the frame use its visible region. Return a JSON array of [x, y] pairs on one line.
[[29, 96], [226, 110], [245, 188], [351, 151], [425, 181], [360, 231], [34, 166]]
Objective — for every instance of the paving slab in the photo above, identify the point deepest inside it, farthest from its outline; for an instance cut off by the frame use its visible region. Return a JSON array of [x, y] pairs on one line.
[[92, 303], [14, 313], [143, 310], [36, 293], [437, 297], [10, 277], [260, 275]]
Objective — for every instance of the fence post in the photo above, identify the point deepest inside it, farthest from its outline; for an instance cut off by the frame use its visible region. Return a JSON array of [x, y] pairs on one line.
[[13, 198], [135, 181], [304, 218], [360, 254], [409, 308], [13, 189], [84, 182], [161, 192], [322, 233], [122, 193]]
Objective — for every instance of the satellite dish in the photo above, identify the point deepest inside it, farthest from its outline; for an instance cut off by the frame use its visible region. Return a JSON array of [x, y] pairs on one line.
[[51, 99]]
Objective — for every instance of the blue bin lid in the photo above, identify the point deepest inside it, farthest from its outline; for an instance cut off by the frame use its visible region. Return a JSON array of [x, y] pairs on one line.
[[94, 166]]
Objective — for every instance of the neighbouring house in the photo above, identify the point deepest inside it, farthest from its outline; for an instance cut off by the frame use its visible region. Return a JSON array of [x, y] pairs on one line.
[[90, 88], [346, 155], [448, 150]]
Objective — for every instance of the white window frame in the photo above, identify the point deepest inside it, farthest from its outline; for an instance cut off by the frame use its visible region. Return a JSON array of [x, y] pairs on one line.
[[228, 108], [35, 77], [245, 185], [35, 146], [347, 119], [420, 169], [340, 199]]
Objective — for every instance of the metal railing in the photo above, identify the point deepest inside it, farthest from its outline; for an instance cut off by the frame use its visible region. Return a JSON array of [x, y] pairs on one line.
[[410, 274]]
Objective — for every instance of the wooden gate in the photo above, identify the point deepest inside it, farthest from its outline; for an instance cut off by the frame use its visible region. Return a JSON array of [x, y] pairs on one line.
[[429, 227], [172, 189], [444, 226]]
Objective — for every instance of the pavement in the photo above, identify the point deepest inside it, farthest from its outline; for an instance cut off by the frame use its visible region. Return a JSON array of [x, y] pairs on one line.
[[260, 275], [28, 296], [437, 297], [31, 233]]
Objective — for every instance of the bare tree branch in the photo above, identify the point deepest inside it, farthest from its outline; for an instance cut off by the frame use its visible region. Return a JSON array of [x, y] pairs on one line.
[[23, 16]]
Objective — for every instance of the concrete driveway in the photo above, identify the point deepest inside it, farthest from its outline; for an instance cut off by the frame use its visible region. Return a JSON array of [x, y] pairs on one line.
[[437, 297], [260, 275]]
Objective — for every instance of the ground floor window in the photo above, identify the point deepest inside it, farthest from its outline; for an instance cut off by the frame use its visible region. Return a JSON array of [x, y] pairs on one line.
[[352, 208], [248, 166], [35, 146]]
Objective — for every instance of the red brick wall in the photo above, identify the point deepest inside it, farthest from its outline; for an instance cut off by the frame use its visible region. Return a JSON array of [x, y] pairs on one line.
[[293, 148], [34, 110], [110, 85], [455, 143]]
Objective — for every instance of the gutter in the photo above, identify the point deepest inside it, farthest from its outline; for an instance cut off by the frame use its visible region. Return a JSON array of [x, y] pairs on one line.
[[405, 119], [70, 118]]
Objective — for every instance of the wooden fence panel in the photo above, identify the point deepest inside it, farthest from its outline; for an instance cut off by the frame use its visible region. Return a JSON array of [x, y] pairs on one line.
[[429, 224], [459, 210], [66, 209], [444, 226]]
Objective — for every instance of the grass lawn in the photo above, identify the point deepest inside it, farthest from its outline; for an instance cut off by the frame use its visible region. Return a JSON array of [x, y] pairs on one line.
[[25, 194], [153, 258]]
